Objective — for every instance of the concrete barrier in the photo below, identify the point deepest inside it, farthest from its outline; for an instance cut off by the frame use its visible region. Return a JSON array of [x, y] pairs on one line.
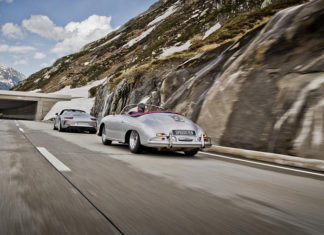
[[311, 164]]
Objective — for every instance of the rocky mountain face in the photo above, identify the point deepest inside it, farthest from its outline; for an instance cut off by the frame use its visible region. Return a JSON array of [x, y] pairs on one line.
[[9, 77], [249, 72]]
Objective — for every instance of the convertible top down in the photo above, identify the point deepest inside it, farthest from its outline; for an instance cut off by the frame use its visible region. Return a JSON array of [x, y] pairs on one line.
[[158, 129]]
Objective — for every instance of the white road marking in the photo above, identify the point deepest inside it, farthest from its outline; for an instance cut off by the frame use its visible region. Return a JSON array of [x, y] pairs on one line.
[[22, 130], [264, 164], [16, 123], [53, 160]]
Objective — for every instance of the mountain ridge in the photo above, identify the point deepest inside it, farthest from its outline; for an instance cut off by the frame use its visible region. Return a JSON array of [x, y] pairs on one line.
[[9, 77]]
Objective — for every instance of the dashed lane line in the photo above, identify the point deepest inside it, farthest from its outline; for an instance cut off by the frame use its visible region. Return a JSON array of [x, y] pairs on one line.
[[60, 166], [22, 130]]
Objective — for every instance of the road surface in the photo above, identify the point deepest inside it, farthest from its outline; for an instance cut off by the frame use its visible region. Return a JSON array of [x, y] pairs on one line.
[[70, 183]]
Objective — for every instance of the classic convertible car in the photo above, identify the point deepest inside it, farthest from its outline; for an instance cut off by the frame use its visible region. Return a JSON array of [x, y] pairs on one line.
[[75, 120], [158, 129]]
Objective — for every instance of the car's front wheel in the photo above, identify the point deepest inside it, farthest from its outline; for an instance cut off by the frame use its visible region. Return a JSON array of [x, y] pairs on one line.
[[192, 152], [104, 139], [135, 142]]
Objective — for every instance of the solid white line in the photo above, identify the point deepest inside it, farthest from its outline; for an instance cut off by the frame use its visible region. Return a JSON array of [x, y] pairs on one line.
[[53, 160], [264, 164], [22, 130]]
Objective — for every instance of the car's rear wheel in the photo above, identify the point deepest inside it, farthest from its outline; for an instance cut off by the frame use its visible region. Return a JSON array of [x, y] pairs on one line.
[[54, 127], [60, 129], [192, 152], [135, 142], [104, 139]]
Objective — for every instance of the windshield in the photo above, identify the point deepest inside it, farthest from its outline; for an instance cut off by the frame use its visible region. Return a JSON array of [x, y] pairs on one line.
[[74, 112], [128, 109]]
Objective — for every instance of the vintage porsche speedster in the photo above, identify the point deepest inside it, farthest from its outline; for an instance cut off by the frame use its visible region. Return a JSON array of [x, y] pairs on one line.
[[156, 128]]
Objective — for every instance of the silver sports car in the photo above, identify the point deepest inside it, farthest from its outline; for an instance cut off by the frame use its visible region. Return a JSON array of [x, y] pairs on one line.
[[158, 129], [75, 120]]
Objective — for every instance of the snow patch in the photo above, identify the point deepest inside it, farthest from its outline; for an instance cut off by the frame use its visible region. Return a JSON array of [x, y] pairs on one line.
[[80, 91], [81, 102], [139, 38], [109, 41], [84, 104], [165, 15], [211, 30], [174, 49]]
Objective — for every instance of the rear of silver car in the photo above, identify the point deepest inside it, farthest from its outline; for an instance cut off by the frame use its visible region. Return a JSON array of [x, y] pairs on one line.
[[79, 122], [179, 140]]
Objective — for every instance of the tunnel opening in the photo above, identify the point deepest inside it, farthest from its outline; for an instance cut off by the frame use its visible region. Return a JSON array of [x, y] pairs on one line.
[[18, 109]]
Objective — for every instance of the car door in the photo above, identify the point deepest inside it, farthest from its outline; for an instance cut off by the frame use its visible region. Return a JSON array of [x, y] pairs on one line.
[[113, 126]]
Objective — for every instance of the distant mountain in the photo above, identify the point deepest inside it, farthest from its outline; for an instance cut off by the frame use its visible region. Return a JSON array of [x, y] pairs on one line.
[[9, 77]]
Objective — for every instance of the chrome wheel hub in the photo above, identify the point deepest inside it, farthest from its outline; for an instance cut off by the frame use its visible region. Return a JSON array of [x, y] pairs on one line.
[[133, 139]]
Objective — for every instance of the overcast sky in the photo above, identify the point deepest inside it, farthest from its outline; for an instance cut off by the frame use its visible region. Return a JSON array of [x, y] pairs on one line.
[[34, 33]]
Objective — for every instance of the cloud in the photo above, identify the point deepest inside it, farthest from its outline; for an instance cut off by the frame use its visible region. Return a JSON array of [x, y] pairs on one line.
[[12, 31], [44, 27], [8, 1], [81, 33], [39, 56], [16, 49], [21, 62], [73, 36]]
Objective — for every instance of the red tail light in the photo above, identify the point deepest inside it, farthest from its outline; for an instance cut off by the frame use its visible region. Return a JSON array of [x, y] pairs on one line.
[[93, 119], [68, 117]]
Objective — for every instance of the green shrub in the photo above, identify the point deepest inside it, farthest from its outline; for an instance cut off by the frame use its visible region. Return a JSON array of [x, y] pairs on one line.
[[93, 91]]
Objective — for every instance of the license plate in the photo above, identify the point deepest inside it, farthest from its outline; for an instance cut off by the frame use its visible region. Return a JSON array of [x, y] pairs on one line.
[[183, 132]]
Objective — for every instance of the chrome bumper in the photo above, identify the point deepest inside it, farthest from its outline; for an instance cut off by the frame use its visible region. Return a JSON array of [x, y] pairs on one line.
[[182, 142]]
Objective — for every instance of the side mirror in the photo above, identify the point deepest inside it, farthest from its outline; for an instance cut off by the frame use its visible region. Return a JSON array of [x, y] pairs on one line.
[[56, 114]]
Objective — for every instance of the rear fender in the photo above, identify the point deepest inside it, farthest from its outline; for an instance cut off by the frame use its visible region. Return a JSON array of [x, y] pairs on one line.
[[100, 129], [127, 136]]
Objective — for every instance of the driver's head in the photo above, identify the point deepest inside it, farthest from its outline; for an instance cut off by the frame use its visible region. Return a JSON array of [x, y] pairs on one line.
[[141, 107]]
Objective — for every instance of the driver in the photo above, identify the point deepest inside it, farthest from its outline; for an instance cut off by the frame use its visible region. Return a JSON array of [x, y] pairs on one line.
[[140, 109]]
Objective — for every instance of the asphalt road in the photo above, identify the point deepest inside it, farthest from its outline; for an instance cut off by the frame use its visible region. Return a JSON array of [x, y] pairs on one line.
[[108, 190]]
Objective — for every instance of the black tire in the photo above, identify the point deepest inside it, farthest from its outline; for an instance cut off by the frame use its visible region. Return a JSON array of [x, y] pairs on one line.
[[191, 153], [104, 140], [60, 129], [134, 142]]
